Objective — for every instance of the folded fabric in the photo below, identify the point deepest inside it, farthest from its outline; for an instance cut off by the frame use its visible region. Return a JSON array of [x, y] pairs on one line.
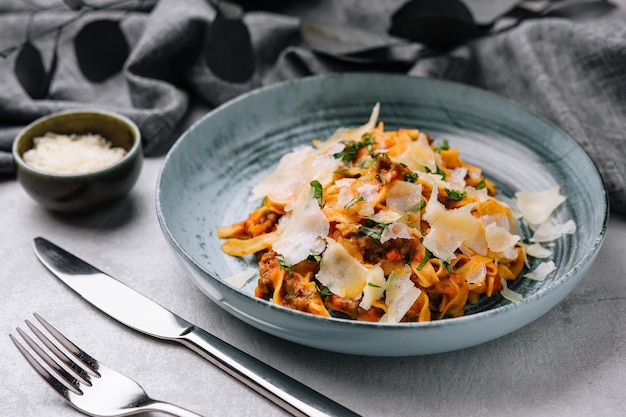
[[573, 74]]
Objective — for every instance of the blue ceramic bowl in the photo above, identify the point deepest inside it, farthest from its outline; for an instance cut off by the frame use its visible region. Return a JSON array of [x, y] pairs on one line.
[[81, 193], [206, 179]]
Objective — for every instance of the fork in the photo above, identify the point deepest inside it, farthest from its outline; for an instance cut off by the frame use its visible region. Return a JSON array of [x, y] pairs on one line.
[[85, 383]]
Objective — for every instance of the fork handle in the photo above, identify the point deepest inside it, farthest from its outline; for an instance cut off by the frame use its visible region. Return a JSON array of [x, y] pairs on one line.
[[167, 408], [286, 392]]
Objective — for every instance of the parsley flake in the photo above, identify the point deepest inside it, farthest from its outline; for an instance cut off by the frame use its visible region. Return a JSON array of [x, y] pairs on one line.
[[411, 177], [427, 255], [317, 191], [456, 195], [373, 232], [443, 147], [353, 202]]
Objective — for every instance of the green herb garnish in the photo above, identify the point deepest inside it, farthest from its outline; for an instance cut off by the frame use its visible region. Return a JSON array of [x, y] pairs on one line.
[[314, 258], [349, 152], [411, 177], [283, 265], [427, 256], [443, 147], [353, 202], [323, 292], [317, 191], [456, 195], [373, 232]]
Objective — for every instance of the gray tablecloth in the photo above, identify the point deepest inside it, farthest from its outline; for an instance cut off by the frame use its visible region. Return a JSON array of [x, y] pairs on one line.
[[572, 73]]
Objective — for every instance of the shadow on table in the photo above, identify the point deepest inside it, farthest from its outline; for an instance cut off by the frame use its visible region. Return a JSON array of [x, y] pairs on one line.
[[113, 216]]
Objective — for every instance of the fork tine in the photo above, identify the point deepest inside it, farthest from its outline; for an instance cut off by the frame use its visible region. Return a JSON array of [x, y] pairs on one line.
[[53, 381], [90, 362], [77, 370]]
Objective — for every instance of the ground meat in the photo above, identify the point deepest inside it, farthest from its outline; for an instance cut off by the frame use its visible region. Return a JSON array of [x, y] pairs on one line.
[[261, 221], [388, 171]]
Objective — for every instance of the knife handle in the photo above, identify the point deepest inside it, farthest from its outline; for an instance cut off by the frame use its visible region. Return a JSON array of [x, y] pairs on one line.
[[291, 395]]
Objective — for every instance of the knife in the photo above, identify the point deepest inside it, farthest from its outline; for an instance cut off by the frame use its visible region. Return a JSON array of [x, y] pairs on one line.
[[138, 312]]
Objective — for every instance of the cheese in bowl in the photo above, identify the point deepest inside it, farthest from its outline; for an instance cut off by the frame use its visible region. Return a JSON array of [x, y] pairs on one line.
[[385, 226], [78, 161], [72, 154]]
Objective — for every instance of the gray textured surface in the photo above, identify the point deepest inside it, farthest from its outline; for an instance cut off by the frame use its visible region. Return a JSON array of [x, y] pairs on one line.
[[572, 361]]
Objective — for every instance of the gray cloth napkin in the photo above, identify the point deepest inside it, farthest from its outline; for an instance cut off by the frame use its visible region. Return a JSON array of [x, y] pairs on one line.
[[571, 73]]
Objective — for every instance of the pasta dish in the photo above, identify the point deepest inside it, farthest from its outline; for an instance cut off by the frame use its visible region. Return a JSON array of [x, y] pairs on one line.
[[378, 225]]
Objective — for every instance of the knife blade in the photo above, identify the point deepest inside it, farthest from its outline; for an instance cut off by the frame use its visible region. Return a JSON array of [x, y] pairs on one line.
[[140, 313]]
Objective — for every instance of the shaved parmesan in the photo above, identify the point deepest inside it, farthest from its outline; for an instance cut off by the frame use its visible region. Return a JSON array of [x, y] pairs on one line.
[[340, 272], [441, 244], [536, 208], [295, 170], [541, 271], [386, 216], [240, 279], [348, 135], [509, 294], [400, 296], [480, 195], [375, 287], [369, 191], [456, 178], [550, 231], [501, 220], [452, 228], [419, 155], [371, 123], [366, 211], [434, 209], [404, 196], [477, 275], [498, 238], [346, 194], [301, 232], [537, 251], [396, 230]]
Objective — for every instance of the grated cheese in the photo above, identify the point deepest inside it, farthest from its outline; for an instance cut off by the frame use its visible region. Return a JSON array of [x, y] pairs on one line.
[[72, 154]]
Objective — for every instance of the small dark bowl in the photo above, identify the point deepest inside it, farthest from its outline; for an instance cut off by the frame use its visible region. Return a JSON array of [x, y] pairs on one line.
[[87, 192]]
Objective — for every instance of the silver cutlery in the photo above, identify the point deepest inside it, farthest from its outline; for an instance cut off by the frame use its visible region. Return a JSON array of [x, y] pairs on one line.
[[138, 312], [84, 382]]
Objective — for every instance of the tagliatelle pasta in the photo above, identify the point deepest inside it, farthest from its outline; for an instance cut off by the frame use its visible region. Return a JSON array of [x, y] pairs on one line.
[[376, 225]]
